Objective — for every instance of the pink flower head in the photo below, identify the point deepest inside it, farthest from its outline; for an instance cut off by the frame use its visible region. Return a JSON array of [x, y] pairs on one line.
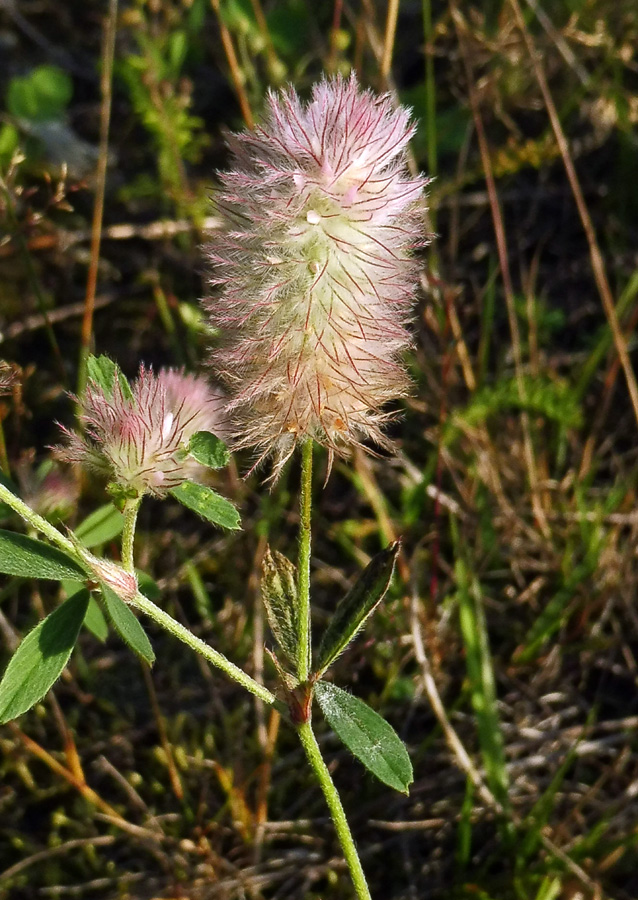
[[141, 441], [314, 269]]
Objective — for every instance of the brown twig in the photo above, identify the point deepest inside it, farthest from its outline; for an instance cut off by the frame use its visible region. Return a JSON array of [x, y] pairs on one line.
[[233, 65], [80, 785], [508, 288], [388, 39], [597, 262], [106, 85], [173, 774], [462, 757]]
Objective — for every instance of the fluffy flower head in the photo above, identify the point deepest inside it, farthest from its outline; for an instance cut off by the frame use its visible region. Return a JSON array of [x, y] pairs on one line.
[[139, 438], [313, 268]]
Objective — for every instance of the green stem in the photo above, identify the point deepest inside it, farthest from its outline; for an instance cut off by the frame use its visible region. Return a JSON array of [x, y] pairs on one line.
[[143, 603], [313, 754], [168, 623], [37, 522], [305, 510], [131, 509]]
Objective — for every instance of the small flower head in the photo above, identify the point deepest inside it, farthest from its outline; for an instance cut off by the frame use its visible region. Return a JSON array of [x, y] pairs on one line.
[[8, 378], [314, 269], [139, 439]]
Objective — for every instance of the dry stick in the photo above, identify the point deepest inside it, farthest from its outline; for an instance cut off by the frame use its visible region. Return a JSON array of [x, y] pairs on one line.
[[263, 783], [461, 755], [160, 723], [40, 320], [83, 788], [609, 384], [70, 747], [561, 44], [262, 24], [233, 65], [334, 32], [597, 262], [99, 841], [388, 40], [106, 85], [501, 244]]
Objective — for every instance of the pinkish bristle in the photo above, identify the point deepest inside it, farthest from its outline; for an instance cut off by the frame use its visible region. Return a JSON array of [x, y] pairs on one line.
[[140, 441], [314, 270]]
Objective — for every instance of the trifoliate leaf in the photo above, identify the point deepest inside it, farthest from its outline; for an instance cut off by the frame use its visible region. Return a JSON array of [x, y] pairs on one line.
[[104, 372], [209, 450], [369, 737], [41, 657], [208, 504], [127, 626], [358, 604], [25, 556], [279, 593]]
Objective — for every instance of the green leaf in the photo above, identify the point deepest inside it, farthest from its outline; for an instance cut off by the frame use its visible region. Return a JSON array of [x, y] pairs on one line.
[[41, 96], [21, 555], [209, 450], [358, 604], [41, 657], [147, 585], [94, 618], [480, 670], [279, 593], [95, 621], [9, 141], [127, 626], [208, 504], [104, 372], [101, 526], [369, 737]]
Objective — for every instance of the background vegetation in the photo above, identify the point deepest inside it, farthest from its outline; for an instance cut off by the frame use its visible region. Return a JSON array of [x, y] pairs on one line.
[[505, 654]]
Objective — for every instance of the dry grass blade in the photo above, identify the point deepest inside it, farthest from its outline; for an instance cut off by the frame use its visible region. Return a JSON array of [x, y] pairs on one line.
[[86, 337], [597, 261], [389, 38], [233, 65], [501, 243]]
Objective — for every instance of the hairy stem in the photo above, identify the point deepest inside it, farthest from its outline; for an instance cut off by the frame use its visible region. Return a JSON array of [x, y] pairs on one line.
[[305, 510], [319, 767], [36, 521], [131, 510], [168, 623], [139, 601]]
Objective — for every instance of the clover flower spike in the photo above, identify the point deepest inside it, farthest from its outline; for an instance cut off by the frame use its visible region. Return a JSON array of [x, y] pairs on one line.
[[314, 269], [140, 439]]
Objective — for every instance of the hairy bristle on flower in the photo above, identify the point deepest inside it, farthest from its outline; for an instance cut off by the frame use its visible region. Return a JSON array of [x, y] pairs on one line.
[[313, 269], [8, 378], [140, 441]]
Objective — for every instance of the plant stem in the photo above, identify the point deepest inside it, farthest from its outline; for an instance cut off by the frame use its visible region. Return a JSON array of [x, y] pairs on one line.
[[36, 521], [168, 623], [305, 510], [131, 509], [4, 459], [313, 754]]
